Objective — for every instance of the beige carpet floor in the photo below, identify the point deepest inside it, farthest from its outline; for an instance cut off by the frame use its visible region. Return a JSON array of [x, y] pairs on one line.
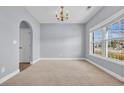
[[62, 73]]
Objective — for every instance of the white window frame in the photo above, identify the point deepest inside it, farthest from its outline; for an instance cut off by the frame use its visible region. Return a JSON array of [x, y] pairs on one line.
[[110, 20]]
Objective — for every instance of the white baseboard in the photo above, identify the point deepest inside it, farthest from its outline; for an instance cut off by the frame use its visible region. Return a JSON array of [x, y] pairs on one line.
[[106, 70], [9, 76], [35, 61], [61, 58]]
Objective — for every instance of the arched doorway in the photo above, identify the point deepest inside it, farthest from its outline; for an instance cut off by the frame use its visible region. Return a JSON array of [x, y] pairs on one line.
[[25, 45]]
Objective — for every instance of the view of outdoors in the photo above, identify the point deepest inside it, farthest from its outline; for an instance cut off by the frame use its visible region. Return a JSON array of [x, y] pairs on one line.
[[97, 42], [114, 41], [98, 48], [115, 49]]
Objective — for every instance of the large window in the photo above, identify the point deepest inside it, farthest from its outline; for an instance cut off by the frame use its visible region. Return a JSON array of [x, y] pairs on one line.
[[108, 40]]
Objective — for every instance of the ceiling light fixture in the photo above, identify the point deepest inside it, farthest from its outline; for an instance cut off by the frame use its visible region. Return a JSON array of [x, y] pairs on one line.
[[61, 15]]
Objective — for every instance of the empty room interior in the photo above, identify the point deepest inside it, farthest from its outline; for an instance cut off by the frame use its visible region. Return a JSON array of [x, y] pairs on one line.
[[62, 45]]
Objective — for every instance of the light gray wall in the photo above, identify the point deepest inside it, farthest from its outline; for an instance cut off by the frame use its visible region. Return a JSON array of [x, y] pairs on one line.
[[10, 18], [62, 41], [105, 13]]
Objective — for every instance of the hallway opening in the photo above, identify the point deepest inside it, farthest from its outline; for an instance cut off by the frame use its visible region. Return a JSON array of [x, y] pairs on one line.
[[25, 46]]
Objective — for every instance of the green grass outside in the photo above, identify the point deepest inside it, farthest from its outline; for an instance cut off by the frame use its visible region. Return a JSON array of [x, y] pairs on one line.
[[111, 54]]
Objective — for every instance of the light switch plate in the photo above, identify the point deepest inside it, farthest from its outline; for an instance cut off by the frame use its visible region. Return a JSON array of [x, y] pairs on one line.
[[14, 42]]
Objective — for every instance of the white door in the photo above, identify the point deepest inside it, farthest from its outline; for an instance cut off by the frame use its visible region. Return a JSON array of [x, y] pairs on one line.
[[25, 45]]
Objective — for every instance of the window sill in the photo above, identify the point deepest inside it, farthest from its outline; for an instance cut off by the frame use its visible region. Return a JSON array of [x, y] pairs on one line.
[[108, 59]]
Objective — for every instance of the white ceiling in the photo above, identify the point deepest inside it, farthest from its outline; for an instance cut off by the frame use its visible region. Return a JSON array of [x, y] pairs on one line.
[[77, 14]]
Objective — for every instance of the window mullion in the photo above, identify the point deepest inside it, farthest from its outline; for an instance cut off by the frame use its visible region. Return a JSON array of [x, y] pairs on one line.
[[105, 42]]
